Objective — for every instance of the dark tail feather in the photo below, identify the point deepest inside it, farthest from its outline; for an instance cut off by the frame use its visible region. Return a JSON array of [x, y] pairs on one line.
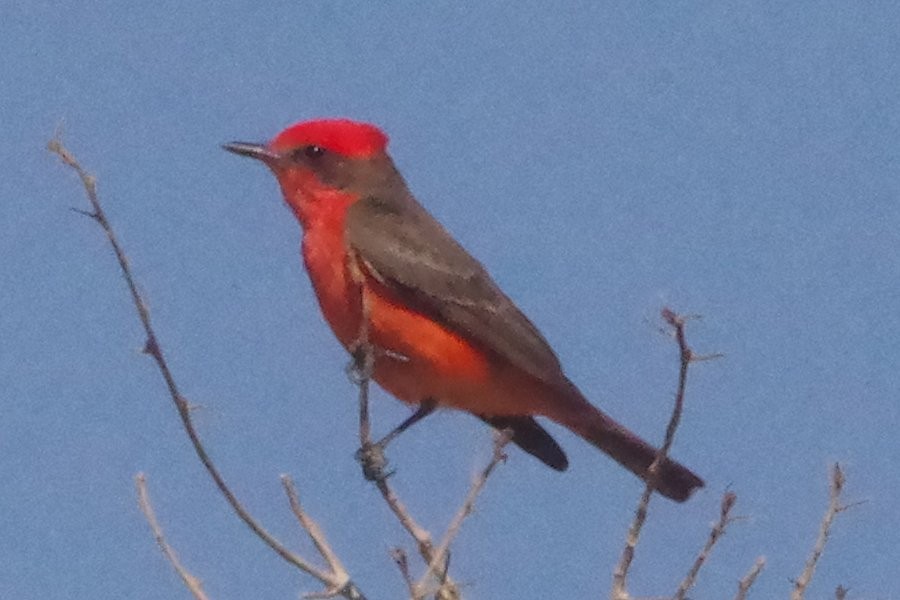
[[532, 438], [675, 480]]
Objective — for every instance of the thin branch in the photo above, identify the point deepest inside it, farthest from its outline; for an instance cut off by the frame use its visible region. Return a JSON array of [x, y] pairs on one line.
[[840, 593], [373, 464], [620, 575], [154, 349], [339, 577], [421, 535], [437, 564], [747, 580], [361, 367], [402, 562], [418, 533], [834, 507], [190, 581], [371, 455], [715, 534]]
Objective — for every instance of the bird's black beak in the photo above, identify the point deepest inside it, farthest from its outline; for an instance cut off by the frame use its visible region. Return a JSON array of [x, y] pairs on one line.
[[257, 151]]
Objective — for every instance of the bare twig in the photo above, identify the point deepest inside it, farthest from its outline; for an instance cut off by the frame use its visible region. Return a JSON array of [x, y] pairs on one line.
[[361, 369], [620, 575], [154, 349], [419, 534], [402, 562], [362, 366], [840, 593], [715, 534], [834, 507], [190, 581], [747, 580], [338, 578], [437, 564]]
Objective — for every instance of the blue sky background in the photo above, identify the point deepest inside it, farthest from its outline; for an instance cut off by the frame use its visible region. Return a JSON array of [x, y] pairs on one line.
[[737, 160]]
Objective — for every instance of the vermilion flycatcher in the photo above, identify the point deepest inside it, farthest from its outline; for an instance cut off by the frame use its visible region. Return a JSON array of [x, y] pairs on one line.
[[443, 333]]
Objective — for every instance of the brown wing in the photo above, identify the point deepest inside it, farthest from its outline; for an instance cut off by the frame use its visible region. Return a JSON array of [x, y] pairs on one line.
[[408, 250]]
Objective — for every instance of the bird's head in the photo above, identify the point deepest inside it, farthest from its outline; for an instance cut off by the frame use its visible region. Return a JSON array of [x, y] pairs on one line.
[[324, 163]]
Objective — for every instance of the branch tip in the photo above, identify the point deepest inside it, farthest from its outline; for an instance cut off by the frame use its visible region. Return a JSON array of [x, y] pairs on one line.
[[729, 499], [747, 581], [835, 506], [192, 583], [153, 348], [620, 574]]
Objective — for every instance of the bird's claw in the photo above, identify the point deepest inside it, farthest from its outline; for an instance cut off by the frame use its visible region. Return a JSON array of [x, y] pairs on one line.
[[373, 461]]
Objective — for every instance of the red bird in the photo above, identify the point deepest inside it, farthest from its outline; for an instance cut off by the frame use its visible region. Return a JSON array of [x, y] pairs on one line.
[[444, 333]]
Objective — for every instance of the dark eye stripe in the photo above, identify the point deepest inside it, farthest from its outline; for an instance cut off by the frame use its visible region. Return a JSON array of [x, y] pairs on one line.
[[306, 153]]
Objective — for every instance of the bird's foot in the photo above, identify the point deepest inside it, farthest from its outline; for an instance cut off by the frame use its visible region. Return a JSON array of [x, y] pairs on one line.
[[373, 461]]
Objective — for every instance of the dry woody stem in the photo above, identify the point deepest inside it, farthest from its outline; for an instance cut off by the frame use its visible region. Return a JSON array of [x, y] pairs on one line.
[[620, 574], [715, 534], [334, 583], [436, 560], [747, 580], [834, 507], [338, 573], [363, 359], [190, 581], [438, 564]]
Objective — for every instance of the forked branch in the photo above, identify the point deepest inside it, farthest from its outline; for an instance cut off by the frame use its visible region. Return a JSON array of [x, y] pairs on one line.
[[835, 506], [686, 356], [336, 584], [190, 581], [374, 465]]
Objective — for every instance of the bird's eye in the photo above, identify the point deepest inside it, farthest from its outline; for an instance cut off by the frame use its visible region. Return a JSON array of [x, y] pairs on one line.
[[313, 151], [307, 153]]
